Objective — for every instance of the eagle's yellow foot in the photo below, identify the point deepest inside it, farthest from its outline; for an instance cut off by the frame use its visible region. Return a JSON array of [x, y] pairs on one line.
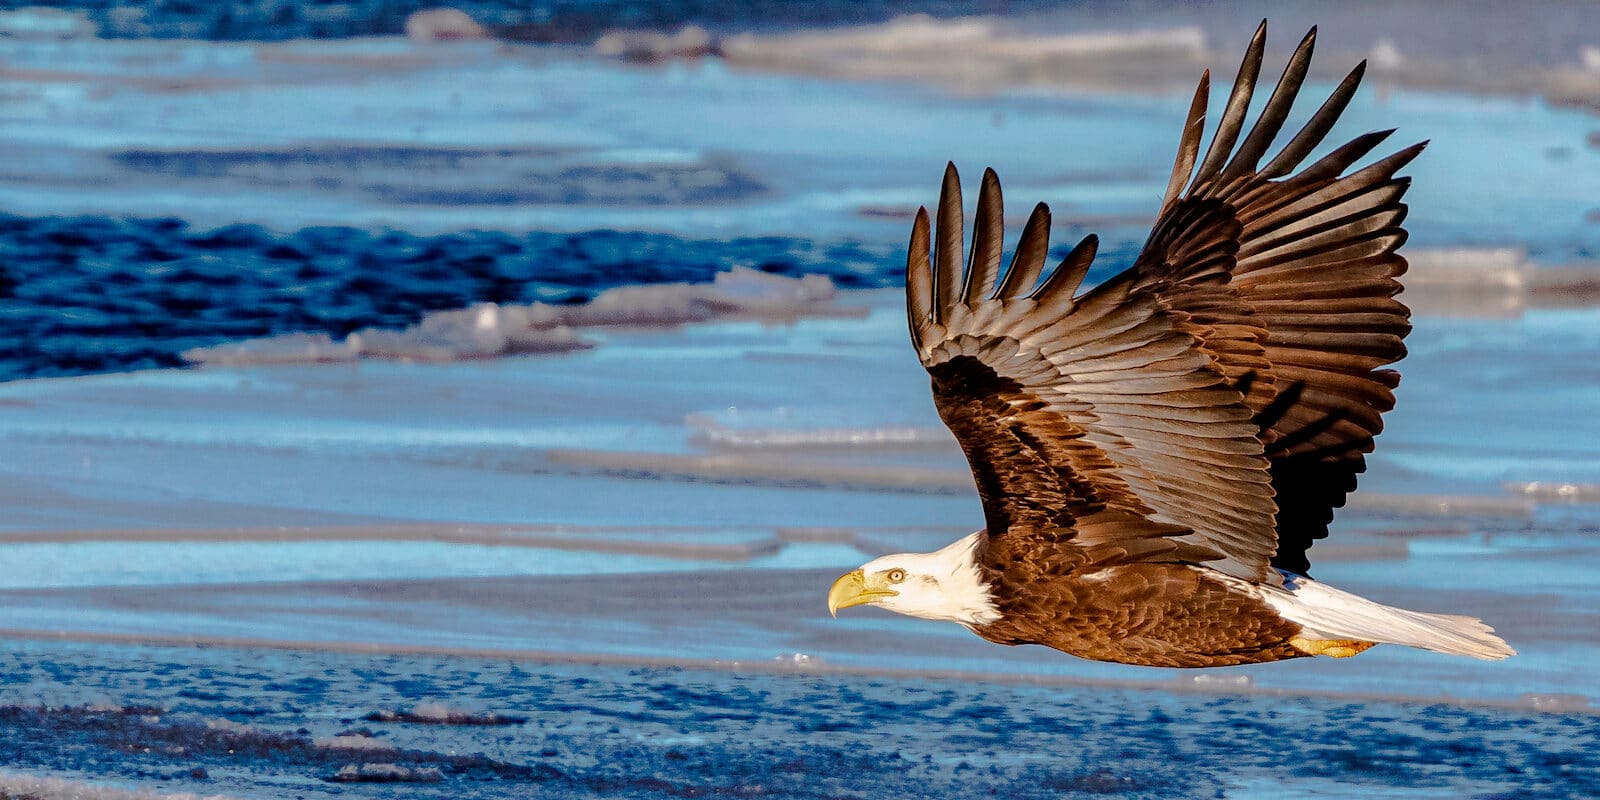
[[1338, 648]]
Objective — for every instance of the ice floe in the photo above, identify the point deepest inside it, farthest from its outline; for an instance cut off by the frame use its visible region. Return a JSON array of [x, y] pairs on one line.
[[689, 41], [442, 714], [24, 786], [714, 432], [351, 741], [385, 773], [488, 330], [994, 52]]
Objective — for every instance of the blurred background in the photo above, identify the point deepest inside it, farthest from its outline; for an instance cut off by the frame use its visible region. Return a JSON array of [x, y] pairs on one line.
[[366, 366]]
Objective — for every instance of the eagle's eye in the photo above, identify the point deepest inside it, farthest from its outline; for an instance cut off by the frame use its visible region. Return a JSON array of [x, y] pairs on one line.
[[896, 575]]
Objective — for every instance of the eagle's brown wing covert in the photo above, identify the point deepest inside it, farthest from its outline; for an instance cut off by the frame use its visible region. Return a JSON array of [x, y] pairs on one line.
[[1239, 357]]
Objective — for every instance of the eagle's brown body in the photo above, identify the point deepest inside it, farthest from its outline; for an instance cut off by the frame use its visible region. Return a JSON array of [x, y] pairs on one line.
[[1084, 588], [1160, 615]]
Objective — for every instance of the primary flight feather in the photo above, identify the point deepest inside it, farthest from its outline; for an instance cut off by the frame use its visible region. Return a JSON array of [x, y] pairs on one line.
[[1156, 455]]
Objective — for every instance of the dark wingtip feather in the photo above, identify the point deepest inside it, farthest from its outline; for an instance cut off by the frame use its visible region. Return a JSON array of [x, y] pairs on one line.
[[1334, 164], [1312, 133], [947, 243], [1393, 163], [920, 223], [1188, 142], [1032, 250], [1227, 133], [919, 278], [1353, 78], [988, 241], [1064, 282], [1308, 43], [1275, 113]]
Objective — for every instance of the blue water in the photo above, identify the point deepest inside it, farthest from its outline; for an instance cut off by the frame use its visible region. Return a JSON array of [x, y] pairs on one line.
[[252, 723], [100, 294]]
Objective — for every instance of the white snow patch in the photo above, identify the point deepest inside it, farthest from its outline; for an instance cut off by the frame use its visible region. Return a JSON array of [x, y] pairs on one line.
[[224, 724], [353, 742], [489, 330], [20, 784], [1221, 680], [726, 432], [440, 711], [798, 659], [293, 348], [995, 54], [1386, 56], [1590, 56], [386, 773], [690, 41], [39, 23]]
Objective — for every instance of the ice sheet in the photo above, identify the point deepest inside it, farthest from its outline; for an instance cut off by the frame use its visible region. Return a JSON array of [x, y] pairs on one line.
[[290, 134], [21, 784], [618, 437]]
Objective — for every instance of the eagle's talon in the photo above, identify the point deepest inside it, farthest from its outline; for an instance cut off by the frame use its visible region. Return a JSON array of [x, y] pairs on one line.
[[1336, 648]]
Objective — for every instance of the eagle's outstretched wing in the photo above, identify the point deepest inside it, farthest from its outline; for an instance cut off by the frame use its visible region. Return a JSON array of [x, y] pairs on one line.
[[1238, 358]]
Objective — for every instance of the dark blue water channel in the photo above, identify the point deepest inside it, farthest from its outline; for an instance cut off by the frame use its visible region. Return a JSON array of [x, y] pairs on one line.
[[97, 294]]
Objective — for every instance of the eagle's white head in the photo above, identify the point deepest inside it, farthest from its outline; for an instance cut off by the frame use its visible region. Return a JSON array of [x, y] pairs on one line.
[[945, 585]]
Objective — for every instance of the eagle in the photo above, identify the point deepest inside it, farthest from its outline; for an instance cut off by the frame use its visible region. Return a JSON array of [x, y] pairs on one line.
[[1156, 455]]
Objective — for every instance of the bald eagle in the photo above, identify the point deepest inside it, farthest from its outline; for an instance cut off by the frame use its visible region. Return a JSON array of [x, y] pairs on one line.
[[1156, 455]]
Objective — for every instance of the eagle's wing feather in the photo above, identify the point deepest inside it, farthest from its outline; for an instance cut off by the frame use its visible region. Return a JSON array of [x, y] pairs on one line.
[[1061, 403], [1240, 357], [1306, 315]]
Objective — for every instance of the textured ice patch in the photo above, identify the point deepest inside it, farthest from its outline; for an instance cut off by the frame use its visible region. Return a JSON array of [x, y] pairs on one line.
[[23, 786], [489, 330], [348, 741], [441, 714], [385, 773]]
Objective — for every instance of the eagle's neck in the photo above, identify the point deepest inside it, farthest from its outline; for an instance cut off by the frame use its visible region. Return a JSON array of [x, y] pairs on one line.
[[964, 595]]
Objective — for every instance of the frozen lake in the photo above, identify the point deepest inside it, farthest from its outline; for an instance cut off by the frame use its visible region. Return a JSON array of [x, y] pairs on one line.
[[689, 494], [628, 545]]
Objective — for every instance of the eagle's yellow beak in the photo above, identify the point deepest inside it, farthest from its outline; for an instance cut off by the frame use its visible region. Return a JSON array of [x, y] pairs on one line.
[[856, 589]]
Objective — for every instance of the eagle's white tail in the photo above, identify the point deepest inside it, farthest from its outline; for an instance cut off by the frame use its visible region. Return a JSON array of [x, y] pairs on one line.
[[1328, 613]]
